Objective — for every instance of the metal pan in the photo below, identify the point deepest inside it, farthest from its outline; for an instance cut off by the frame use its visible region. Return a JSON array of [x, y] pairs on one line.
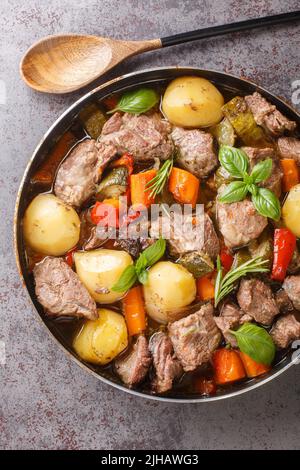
[[225, 82]]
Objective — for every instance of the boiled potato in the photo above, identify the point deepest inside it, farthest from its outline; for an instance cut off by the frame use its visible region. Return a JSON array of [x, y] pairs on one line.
[[291, 210], [99, 270], [83, 342], [192, 102], [100, 341], [50, 226], [169, 286]]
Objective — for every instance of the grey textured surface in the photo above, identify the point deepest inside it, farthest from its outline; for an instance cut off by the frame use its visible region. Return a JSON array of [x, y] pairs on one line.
[[46, 401]]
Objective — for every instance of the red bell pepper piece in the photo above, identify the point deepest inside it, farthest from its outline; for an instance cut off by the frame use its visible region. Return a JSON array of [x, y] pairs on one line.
[[69, 256], [226, 258], [284, 246], [105, 214], [110, 102], [130, 216]]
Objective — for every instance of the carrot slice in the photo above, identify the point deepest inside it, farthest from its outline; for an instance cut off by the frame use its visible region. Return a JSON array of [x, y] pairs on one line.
[[290, 173], [134, 311], [228, 366], [184, 186], [253, 368], [138, 188], [205, 287]]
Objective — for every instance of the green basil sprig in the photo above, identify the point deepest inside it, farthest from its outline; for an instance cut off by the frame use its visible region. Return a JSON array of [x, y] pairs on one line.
[[236, 162], [138, 271], [256, 342], [137, 101]]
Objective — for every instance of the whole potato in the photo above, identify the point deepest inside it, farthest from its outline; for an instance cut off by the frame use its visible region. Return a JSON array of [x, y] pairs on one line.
[[50, 226], [99, 270], [169, 286], [291, 210], [192, 102], [100, 341]]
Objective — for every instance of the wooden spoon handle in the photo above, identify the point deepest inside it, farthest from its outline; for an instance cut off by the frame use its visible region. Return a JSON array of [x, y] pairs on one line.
[[229, 28]]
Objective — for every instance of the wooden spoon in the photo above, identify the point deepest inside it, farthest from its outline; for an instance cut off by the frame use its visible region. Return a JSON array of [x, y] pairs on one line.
[[65, 63]]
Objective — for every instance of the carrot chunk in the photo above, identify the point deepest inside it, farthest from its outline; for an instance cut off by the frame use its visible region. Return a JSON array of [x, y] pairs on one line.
[[134, 311], [184, 186], [228, 366]]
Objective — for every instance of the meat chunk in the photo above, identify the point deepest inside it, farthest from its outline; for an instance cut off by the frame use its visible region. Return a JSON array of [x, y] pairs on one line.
[[133, 246], [294, 264], [268, 116], [187, 234], [239, 222], [285, 330], [229, 318], [195, 337], [167, 367], [289, 147], [291, 285], [195, 151], [134, 366], [79, 173], [60, 291], [257, 155], [283, 302], [256, 299], [145, 136]]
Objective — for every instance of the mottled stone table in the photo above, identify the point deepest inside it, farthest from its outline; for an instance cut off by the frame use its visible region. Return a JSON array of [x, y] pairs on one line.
[[47, 401]]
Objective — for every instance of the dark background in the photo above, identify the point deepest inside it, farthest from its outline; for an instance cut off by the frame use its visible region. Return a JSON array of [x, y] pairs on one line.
[[47, 401]]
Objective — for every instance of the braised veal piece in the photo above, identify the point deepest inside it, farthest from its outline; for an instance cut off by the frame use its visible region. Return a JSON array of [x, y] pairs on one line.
[[205, 291]]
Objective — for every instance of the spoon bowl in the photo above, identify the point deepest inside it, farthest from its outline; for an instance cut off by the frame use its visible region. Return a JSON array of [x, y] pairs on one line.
[[65, 63]]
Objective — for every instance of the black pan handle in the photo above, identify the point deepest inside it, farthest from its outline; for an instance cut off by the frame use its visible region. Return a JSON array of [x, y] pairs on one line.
[[229, 28]]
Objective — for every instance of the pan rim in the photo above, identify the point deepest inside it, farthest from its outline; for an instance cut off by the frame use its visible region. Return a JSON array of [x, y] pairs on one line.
[[16, 222]]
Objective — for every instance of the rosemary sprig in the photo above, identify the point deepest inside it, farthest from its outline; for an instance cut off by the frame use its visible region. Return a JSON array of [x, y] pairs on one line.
[[157, 183], [225, 285]]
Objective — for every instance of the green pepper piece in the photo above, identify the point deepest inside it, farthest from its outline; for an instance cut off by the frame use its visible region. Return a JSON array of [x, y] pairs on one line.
[[114, 184], [240, 257], [222, 177], [93, 120], [198, 263], [262, 247], [243, 122], [223, 132]]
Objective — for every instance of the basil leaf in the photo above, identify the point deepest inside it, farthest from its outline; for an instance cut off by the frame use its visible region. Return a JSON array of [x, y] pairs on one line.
[[256, 342], [141, 263], [253, 189], [127, 279], [234, 160], [234, 192], [138, 271], [262, 171], [137, 101], [143, 277], [266, 203], [151, 255]]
